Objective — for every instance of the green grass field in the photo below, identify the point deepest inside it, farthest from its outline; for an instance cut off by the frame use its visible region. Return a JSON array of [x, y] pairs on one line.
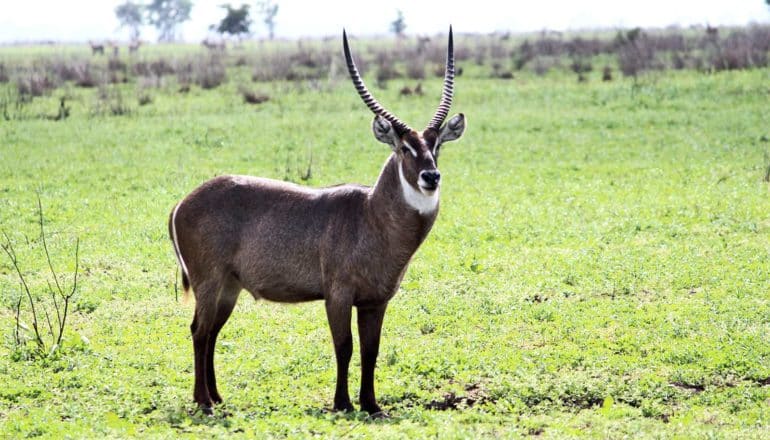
[[600, 266]]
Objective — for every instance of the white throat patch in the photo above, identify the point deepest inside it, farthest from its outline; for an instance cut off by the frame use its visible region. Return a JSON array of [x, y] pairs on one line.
[[423, 203]]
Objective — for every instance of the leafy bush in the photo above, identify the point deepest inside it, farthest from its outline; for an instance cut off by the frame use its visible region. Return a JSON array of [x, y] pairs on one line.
[[34, 85], [741, 50], [210, 73], [4, 75], [86, 76]]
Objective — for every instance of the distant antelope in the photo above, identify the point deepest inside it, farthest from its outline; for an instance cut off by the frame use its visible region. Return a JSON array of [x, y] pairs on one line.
[[213, 45], [96, 48], [134, 46], [347, 245]]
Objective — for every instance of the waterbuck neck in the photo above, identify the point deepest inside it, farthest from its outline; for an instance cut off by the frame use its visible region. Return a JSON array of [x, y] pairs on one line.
[[391, 213]]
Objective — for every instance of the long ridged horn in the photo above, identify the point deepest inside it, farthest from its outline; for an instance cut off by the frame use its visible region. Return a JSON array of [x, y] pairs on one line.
[[446, 94], [363, 92]]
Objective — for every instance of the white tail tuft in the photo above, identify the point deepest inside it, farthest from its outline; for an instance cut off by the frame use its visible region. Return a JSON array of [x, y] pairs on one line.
[[185, 273]]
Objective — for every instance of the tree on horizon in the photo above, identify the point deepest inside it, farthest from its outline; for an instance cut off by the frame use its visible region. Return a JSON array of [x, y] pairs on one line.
[[166, 15], [131, 16], [269, 10], [237, 22], [398, 25]]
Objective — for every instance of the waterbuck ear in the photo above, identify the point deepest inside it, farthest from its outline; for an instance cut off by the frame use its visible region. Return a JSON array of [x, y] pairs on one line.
[[453, 129], [384, 132]]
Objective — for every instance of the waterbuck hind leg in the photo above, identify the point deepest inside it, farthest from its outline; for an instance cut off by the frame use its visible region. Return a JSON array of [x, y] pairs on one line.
[[369, 330], [200, 389], [206, 294], [224, 307], [338, 311]]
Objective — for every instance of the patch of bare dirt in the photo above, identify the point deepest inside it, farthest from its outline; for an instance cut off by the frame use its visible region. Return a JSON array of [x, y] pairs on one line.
[[697, 388], [474, 395]]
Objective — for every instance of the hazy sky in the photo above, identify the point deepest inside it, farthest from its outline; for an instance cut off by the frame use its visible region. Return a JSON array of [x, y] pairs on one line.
[[80, 20]]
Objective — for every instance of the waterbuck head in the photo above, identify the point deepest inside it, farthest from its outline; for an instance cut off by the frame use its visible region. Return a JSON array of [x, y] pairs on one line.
[[416, 152]]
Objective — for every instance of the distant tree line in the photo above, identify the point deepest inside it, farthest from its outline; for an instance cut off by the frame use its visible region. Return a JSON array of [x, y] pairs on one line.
[[167, 15], [164, 15]]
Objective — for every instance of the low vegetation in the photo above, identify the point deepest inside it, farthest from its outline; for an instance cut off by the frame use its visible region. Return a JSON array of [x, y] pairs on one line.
[[500, 56]]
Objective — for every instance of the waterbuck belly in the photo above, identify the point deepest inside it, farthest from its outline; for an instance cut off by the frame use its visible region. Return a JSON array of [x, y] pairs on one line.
[[287, 296], [277, 279]]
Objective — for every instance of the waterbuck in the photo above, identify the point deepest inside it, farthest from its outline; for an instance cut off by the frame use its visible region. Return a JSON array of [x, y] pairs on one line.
[[347, 245]]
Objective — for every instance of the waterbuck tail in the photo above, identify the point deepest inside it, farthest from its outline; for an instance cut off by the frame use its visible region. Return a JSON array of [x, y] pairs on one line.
[[180, 260]]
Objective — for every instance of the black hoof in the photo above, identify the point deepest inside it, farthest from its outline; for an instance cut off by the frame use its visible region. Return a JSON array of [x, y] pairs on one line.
[[343, 408], [379, 415], [206, 410]]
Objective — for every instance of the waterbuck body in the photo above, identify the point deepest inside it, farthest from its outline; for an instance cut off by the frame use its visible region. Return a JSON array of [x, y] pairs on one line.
[[347, 245]]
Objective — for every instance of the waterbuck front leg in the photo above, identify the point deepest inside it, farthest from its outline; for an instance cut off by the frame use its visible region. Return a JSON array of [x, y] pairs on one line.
[[338, 311], [369, 329]]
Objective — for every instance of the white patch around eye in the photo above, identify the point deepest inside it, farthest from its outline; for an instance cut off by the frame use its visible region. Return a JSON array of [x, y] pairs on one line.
[[423, 203], [411, 148]]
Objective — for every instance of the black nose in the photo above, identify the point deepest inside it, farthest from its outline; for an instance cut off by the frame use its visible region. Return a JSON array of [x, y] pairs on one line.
[[431, 177]]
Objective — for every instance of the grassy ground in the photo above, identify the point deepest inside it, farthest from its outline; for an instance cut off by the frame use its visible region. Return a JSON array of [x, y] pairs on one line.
[[599, 267]]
